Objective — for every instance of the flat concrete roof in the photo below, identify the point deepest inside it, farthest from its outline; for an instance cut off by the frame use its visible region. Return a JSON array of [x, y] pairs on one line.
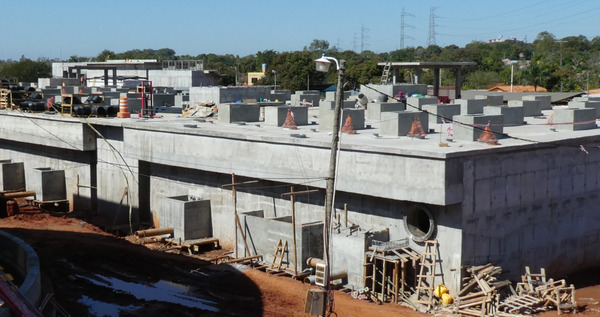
[[536, 133], [428, 64]]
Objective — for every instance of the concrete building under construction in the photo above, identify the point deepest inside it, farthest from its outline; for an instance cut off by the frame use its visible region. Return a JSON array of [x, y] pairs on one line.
[[529, 198]]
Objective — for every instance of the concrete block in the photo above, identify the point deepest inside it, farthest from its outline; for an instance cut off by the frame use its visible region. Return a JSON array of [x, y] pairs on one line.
[[276, 116], [239, 112], [471, 106], [281, 95], [305, 100], [512, 115], [330, 104], [326, 110], [531, 108], [134, 104], [357, 116], [330, 95], [189, 217], [374, 109], [475, 125], [492, 100], [48, 184], [443, 110], [164, 100], [12, 175], [398, 123], [545, 101], [572, 119], [586, 104], [412, 103]]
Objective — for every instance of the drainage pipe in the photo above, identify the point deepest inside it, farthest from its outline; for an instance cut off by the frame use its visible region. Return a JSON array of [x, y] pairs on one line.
[[334, 276], [314, 261]]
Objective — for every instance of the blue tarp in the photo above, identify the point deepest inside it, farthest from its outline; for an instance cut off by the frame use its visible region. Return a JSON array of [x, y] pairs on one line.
[[331, 88]]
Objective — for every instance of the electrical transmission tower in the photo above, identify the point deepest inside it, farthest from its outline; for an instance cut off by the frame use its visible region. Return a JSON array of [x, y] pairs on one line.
[[363, 38], [432, 25], [403, 27]]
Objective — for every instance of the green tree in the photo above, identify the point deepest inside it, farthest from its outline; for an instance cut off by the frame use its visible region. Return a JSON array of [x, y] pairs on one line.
[[105, 55], [317, 46]]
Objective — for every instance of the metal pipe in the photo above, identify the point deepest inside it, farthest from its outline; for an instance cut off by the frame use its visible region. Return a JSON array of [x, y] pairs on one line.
[[311, 280], [154, 232]]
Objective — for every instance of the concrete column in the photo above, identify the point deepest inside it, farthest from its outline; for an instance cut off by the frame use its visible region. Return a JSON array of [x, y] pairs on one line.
[[396, 74], [114, 76], [418, 76], [106, 78], [457, 83], [436, 82]]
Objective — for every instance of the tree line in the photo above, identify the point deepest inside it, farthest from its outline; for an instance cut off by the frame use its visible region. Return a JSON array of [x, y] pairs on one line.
[[567, 64]]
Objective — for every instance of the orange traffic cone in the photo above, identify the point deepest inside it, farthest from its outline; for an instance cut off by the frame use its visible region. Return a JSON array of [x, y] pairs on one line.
[[416, 129], [289, 121], [123, 108], [348, 126], [488, 136]]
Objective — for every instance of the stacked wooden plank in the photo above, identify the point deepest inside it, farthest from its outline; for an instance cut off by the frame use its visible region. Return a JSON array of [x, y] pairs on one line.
[[480, 292]]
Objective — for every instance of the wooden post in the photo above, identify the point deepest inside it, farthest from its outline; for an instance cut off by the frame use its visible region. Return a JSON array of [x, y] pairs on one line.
[[293, 199], [237, 223], [346, 214]]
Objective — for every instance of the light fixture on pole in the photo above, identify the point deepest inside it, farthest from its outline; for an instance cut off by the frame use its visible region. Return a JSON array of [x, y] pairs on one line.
[[322, 65]]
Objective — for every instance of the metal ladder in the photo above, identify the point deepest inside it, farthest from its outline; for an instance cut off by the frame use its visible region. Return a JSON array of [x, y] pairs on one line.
[[386, 73], [426, 276]]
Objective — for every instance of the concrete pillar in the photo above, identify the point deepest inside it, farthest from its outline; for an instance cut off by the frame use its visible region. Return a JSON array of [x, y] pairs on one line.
[[105, 77], [436, 82], [418, 76], [457, 83]]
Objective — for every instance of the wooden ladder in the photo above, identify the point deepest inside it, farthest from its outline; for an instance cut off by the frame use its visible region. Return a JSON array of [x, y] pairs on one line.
[[426, 276], [278, 255], [386, 73]]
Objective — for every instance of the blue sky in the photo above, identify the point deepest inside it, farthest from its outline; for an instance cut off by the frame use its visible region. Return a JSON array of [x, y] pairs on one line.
[[62, 28]]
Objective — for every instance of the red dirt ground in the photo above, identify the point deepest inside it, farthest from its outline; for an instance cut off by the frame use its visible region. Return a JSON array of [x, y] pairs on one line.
[[71, 249]]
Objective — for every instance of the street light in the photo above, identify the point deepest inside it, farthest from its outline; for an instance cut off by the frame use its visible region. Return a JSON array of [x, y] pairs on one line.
[[322, 65], [275, 73]]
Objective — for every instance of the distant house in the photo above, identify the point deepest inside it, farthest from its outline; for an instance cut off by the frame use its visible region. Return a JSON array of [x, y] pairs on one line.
[[518, 88]]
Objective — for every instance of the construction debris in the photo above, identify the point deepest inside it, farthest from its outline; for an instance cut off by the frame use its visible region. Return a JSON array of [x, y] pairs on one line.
[[201, 110], [482, 294]]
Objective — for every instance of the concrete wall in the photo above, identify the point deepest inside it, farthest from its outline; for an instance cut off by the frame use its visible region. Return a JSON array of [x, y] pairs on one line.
[[222, 95], [189, 216], [535, 207], [263, 234], [79, 167]]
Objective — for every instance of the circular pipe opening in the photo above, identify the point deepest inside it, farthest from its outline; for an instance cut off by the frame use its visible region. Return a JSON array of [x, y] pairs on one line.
[[419, 223]]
